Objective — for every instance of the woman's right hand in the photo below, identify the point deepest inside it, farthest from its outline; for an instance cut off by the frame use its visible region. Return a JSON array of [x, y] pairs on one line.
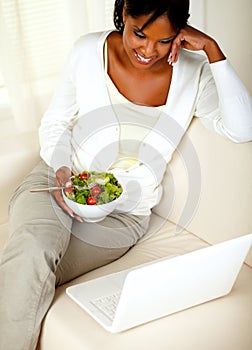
[[193, 39], [63, 178]]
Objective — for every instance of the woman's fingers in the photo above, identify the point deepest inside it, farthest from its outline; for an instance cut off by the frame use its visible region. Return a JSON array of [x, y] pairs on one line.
[[177, 44], [174, 53], [63, 178], [188, 38], [60, 200]]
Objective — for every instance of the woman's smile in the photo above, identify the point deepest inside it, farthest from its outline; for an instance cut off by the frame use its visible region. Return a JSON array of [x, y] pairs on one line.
[[141, 59]]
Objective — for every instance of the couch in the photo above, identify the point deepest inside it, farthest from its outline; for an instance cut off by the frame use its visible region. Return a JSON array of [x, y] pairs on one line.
[[215, 187]]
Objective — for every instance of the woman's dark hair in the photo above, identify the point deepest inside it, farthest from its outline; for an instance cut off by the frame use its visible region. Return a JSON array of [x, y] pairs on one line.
[[177, 11]]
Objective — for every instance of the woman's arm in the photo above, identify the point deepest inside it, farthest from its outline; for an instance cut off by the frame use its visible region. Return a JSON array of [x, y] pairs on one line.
[[56, 124], [55, 133], [224, 103]]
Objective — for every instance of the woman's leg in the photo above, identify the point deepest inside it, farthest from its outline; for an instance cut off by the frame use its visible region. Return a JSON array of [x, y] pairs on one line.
[[82, 257], [95, 245], [39, 236]]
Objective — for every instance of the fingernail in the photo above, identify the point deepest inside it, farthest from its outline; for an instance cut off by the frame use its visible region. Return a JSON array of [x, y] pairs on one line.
[[68, 184]]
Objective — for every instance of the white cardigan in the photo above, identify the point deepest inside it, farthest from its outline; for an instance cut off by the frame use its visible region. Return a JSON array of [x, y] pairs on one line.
[[80, 130]]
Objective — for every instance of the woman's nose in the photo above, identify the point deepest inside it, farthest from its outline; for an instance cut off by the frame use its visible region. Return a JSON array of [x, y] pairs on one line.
[[149, 49]]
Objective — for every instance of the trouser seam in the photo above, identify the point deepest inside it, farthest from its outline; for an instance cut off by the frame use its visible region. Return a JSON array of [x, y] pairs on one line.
[[30, 332], [40, 295]]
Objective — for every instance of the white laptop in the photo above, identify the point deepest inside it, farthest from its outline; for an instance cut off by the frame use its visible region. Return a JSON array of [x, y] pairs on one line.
[[125, 299]]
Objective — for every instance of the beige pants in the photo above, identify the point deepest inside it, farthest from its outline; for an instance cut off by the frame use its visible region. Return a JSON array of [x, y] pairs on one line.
[[42, 252]]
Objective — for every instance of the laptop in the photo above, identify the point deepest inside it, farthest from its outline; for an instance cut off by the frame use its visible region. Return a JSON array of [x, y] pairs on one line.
[[132, 297]]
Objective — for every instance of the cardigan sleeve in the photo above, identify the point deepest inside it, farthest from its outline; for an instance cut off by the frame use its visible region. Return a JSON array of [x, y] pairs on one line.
[[56, 124], [224, 104]]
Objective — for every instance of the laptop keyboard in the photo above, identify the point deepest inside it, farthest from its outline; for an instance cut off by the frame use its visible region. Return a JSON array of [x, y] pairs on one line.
[[107, 304]]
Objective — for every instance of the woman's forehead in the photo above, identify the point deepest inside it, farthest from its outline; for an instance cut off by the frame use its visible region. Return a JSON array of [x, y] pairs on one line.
[[161, 25]]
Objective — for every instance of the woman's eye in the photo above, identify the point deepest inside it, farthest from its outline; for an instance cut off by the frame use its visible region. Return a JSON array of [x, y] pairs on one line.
[[165, 41], [139, 34]]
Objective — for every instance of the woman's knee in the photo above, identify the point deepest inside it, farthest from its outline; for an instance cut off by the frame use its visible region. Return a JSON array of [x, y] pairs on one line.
[[36, 245]]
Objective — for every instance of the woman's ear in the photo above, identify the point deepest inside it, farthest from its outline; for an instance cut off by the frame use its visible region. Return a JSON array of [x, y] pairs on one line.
[[124, 14]]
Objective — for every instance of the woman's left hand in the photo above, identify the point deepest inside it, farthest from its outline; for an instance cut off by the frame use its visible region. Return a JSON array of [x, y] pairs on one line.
[[193, 39]]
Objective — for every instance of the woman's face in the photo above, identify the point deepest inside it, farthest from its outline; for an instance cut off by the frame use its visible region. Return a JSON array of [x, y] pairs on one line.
[[148, 48]]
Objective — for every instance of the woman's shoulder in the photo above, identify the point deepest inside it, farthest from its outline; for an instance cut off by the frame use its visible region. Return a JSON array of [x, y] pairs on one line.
[[88, 47], [92, 38]]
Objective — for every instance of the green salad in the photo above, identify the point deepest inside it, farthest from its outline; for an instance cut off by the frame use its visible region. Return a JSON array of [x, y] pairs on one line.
[[94, 188]]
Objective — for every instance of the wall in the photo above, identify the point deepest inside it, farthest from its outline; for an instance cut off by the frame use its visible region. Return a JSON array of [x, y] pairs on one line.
[[229, 22]]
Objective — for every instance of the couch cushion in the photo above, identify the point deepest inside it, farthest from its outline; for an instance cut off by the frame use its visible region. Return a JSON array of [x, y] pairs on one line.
[[220, 324]]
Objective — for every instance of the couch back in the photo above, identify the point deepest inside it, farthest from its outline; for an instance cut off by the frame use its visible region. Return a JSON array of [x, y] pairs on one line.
[[208, 186]]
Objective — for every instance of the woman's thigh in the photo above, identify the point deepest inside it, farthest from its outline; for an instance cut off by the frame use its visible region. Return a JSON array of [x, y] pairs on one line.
[[36, 216], [94, 245], [82, 257]]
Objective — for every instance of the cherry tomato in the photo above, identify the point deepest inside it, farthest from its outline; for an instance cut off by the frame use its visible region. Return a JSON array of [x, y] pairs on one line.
[[84, 176], [69, 190], [91, 200], [96, 190]]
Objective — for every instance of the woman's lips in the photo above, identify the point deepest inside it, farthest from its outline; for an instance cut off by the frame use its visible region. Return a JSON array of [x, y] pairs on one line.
[[142, 59]]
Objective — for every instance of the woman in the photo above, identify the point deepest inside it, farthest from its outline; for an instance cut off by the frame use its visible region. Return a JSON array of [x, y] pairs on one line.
[[138, 89]]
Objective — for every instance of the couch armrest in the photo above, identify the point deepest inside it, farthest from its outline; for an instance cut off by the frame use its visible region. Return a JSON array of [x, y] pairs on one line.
[[17, 159]]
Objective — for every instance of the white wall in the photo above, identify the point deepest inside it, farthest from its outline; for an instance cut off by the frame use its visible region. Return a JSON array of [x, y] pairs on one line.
[[230, 23], [197, 13]]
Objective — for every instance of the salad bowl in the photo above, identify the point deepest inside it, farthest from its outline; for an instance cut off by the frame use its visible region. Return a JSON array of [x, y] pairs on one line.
[[93, 195]]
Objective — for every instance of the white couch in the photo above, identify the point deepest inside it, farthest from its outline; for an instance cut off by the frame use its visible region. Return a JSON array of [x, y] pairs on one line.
[[222, 211]]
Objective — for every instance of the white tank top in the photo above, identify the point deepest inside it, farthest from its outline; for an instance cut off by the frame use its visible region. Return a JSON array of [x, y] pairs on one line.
[[136, 121]]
